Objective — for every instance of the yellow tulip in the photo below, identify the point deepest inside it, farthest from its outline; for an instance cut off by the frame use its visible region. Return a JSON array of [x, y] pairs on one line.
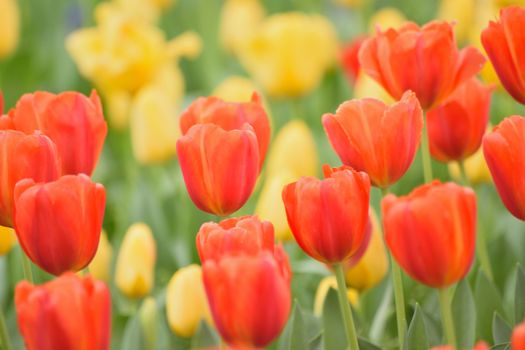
[[148, 317], [387, 17], [373, 266], [9, 27], [235, 89], [476, 169], [290, 52], [100, 266], [186, 302], [7, 239], [322, 291], [239, 20], [148, 10], [135, 269], [366, 87], [462, 13]]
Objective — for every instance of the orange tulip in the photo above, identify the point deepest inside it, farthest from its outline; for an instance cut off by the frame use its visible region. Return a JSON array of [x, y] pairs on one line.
[[503, 149], [73, 121], [425, 60], [456, 127], [67, 313], [518, 337], [438, 221], [375, 138], [58, 223], [328, 217], [23, 156], [220, 166], [349, 58], [505, 45], [230, 115]]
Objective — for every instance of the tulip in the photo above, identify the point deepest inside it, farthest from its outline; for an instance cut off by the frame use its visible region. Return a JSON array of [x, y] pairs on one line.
[[375, 138], [67, 313], [476, 169], [58, 223], [7, 239], [9, 27], [230, 116], [236, 14], [74, 122], [135, 268], [322, 291], [249, 296], [186, 304], [23, 156], [328, 217], [439, 222], [148, 10], [235, 89], [437, 67], [235, 236], [275, 54], [503, 149], [518, 337], [219, 166], [456, 127], [148, 316], [505, 48], [100, 266], [349, 58]]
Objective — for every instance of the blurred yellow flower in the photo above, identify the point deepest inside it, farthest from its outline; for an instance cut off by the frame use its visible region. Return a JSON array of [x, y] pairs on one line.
[[135, 268], [186, 302], [100, 266], [149, 10], [239, 20], [322, 291], [235, 89], [351, 3], [366, 87], [462, 13], [9, 27], [476, 169], [7, 239], [384, 18], [373, 266], [290, 52]]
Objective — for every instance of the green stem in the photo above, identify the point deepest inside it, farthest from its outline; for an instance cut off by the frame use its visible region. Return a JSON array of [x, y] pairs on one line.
[[348, 319], [462, 173], [26, 265], [446, 317], [4, 335], [425, 153]]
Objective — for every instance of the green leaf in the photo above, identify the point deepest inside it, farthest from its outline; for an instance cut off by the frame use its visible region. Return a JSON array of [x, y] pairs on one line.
[[417, 335], [294, 334], [488, 301], [133, 338], [464, 314], [504, 346], [316, 343], [365, 345], [204, 337], [501, 331], [334, 337], [519, 301]]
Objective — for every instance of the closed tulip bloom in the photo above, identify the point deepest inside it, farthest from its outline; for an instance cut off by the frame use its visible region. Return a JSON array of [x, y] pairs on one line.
[[67, 313], [505, 47], [24, 156], [9, 27], [249, 296], [135, 268], [73, 121], [219, 166], [58, 223], [328, 217], [439, 222], [437, 67], [518, 337], [375, 138], [456, 127], [229, 116], [100, 266], [7, 239], [503, 149], [186, 303]]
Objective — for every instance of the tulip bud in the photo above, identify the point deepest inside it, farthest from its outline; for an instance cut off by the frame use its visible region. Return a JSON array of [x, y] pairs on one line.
[[9, 27], [7, 239], [135, 268], [322, 291], [100, 266], [186, 303], [148, 316]]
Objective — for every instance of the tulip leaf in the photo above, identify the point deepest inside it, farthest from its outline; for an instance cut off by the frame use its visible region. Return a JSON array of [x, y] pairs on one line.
[[464, 314], [504, 346], [294, 334], [416, 338], [501, 331], [133, 338], [488, 301], [366, 345], [334, 337], [205, 337], [519, 300], [316, 343]]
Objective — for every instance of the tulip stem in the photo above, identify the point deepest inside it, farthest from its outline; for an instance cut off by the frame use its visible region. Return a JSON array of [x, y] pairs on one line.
[[462, 173], [26, 265], [348, 319], [425, 153], [4, 335], [446, 317]]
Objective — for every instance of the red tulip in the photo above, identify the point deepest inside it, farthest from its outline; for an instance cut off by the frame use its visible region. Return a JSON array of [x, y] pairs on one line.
[[504, 150], [456, 127], [432, 232], [220, 166], [67, 313], [425, 60], [229, 116], [518, 337], [328, 217], [375, 138], [23, 156], [235, 236], [58, 223], [249, 296], [73, 121], [350, 59], [505, 45]]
